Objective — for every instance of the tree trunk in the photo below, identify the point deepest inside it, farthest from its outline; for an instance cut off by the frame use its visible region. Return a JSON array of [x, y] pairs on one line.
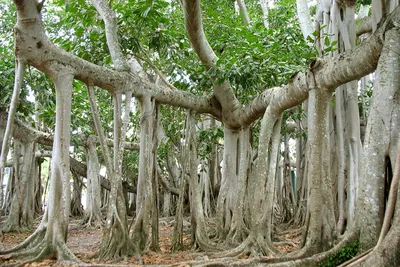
[[93, 191], [76, 200], [50, 237], [140, 232], [321, 225], [19, 77], [380, 142], [115, 242]]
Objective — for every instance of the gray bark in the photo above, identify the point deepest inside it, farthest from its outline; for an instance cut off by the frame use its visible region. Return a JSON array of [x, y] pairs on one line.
[[140, 230], [93, 197], [380, 142]]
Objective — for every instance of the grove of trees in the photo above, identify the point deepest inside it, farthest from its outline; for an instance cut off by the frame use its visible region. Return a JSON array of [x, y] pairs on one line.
[[246, 118]]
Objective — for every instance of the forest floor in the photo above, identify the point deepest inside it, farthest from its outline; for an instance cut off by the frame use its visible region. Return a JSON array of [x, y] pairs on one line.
[[85, 243]]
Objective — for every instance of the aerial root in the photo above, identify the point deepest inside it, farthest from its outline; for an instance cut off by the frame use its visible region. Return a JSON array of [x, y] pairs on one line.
[[206, 244]]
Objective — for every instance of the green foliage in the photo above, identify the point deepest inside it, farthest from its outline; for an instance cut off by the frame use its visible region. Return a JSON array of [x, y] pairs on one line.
[[207, 138], [342, 256], [328, 45], [7, 63], [254, 58], [363, 2], [77, 28]]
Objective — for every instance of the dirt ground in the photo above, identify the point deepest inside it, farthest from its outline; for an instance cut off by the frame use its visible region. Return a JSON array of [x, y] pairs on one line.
[[85, 243]]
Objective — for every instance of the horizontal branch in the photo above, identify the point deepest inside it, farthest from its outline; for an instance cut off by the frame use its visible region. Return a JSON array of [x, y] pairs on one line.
[[32, 44], [328, 73], [26, 133]]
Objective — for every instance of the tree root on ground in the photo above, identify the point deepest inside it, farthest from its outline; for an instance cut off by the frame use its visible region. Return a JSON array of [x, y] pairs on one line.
[[91, 221], [115, 243], [36, 248], [237, 234], [299, 258]]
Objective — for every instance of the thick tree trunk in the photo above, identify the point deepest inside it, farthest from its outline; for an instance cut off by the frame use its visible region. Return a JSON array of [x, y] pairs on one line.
[[76, 199], [140, 230], [321, 225], [51, 235], [93, 191], [380, 142], [229, 185], [238, 230]]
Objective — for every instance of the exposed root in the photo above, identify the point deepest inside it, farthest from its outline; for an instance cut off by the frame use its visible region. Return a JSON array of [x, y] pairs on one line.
[[31, 241], [297, 258], [115, 243], [12, 228], [37, 247], [243, 248], [237, 234]]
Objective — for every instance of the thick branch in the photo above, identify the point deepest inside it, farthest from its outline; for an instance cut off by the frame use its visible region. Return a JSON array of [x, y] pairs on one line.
[[33, 45], [81, 169], [24, 132], [364, 26], [194, 28], [110, 22]]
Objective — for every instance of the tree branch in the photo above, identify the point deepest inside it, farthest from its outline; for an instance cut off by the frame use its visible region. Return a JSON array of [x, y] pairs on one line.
[[111, 28]]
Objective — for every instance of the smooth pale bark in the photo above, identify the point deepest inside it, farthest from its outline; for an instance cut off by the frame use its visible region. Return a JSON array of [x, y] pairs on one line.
[[361, 61], [177, 236], [93, 195], [243, 11], [222, 91], [111, 29], [57, 213], [263, 228], [380, 140], [321, 224], [140, 229], [198, 224], [238, 229], [51, 235], [304, 18], [15, 194], [115, 241], [265, 10], [386, 251], [229, 184]]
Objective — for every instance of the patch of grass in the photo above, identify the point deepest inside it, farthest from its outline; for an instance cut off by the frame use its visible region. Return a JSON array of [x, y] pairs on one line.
[[342, 256]]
